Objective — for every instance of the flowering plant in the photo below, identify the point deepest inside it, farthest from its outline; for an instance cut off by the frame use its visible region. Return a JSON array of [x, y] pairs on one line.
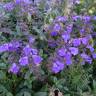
[[47, 44]]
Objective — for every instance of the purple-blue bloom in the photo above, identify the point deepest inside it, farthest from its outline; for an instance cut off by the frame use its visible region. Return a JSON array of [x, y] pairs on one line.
[[34, 51], [68, 58], [27, 50], [31, 39], [23, 61], [94, 55], [82, 30], [12, 46], [76, 17], [91, 48], [74, 50], [77, 1], [84, 40], [94, 18], [86, 18], [76, 42], [17, 1], [25, 1], [54, 33], [9, 6], [14, 68], [37, 59], [4, 48], [61, 18], [87, 58], [66, 37], [57, 66], [57, 27], [62, 52], [69, 28]]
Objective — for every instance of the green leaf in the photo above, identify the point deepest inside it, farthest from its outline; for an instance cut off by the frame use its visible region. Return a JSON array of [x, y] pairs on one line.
[[2, 75], [67, 95], [55, 80], [27, 94], [94, 84], [87, 94], [18, 31], [41, 94], [3, 66], [3, 90], [9, 94], [24, 94], [27, 75]]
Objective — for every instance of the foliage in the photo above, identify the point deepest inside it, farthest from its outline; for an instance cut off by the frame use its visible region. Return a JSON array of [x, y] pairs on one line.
[[28, 51]]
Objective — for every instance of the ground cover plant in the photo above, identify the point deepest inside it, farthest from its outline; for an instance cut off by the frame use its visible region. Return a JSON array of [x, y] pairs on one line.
[[47, 48]]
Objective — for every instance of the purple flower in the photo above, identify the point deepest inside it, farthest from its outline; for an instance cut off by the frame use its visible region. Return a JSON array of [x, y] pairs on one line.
[[76, 17], [91, 48], [13, 46], [68, 59], [52, 43], [23, 61], [57, 27], [14, 68], [4, 48], [54, 33], [9, 46], [84, 40], [76, 42], [86, 18], [73, 50], [31, 39], [27, 50], [86, 58], [66, 37], [89, 60], [69, 28], [34, 51], [94, 55], [57, 66], [77, 1], [82, 31], [37, 59], [20, 1], [62, 52], [94, 18], [61, 19], [9, 6]]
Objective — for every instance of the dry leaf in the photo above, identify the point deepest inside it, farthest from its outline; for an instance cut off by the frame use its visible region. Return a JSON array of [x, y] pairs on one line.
[[55, 93]]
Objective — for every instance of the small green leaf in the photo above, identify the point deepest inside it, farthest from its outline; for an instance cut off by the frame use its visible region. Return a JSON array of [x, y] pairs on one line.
[[2, 75], [24, 94], [9, 94], [3, 66], [94, 84], [27, 94], [3, 90], [67, 95], [41, 94]]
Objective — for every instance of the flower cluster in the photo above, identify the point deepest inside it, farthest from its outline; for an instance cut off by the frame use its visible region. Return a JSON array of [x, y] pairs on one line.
[[26, 53], [23, 6], [69, 37], [73, 41]]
